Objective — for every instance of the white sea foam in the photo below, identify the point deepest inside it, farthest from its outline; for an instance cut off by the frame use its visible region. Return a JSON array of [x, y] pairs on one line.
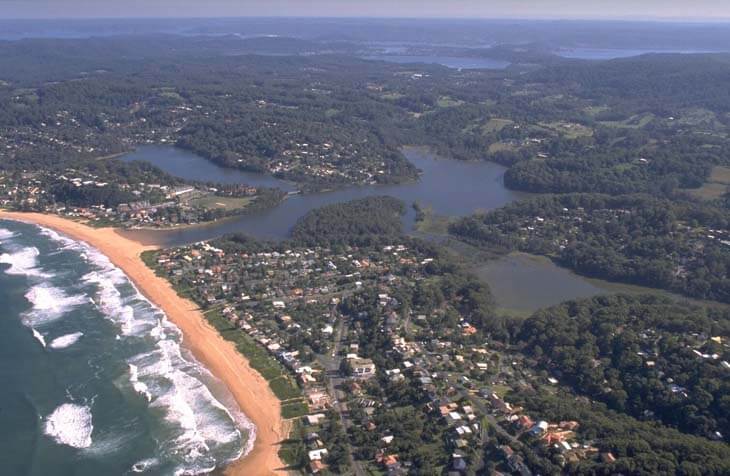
[[145, 465], [111, 303], [57, 237], [24, 262], [139, 387], [6, 234], [39, 337], [71, 425], [49, 303], [66, 340], [199, 423]]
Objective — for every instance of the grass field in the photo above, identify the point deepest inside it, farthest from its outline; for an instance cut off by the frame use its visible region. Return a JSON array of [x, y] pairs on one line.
[[716, 186], [633, 122], [699, 117], [570, 130], [501, 390], [593, 111], [226, 203], [433, 223], [499, 147], [495, 125], [392, 96], [446, 101]]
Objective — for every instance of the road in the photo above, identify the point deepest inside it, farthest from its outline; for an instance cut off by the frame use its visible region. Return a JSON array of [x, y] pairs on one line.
[[331, 364]]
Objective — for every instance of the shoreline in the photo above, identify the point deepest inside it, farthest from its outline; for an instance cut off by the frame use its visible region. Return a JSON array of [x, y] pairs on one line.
[[250, 390]]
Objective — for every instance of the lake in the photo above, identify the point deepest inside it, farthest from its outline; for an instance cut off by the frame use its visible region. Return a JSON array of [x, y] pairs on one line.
[[449, 187], [452, 62], [523, 283], [615, 53], [189, 166]]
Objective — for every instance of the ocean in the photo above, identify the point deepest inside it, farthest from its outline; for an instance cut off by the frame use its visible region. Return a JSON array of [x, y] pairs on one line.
[[94, 378]]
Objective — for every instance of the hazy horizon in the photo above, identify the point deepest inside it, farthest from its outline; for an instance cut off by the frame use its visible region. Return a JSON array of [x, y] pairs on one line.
[[622, 10]]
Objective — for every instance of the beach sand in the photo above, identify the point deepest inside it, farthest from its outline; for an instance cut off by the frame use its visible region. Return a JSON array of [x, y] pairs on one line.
[[248, 387]]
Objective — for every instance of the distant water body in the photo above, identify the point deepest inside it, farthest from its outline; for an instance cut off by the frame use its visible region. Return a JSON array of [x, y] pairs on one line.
[[450, 187], [616, 53], [453, 62], [95, 380], [523, 283], [189, 166]]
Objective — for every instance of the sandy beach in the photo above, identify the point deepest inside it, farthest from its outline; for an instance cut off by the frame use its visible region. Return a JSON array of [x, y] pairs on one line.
[[250, 390]]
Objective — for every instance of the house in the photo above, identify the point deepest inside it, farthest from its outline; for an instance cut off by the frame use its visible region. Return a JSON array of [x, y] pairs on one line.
[[458, 463], [554, 437], [448, 408], [391, 462], [318, 399], [525, 422], [539, 429], [362, 368], [314, 419], [317, 455], [608, 457], [517, 464], [568, 425], [316, 466]]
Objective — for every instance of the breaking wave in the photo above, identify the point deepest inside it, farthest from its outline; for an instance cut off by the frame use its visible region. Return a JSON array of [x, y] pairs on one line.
[[71, 425], [198, 422], [66, 340], [39, 337], [23, 262], [49, 303], [6, 234], [145, 465], [200, 433]]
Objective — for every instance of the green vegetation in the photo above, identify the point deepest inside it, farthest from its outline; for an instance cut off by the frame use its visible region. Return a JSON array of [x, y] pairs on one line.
[[596, 132], [293, 450], [641, 448], [645, 356], [257, 357], [358, 221], [717, 184], [427, 221], [294, 410], [641, 240]]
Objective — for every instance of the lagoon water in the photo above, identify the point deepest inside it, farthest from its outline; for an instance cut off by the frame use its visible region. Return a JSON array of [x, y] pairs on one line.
[[450, 187], [523, 283], [453, 62], [616, 53], [189, 166], [95, 380]]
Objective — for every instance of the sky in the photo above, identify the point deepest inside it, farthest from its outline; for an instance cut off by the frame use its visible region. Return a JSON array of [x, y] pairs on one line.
[[691, 10]]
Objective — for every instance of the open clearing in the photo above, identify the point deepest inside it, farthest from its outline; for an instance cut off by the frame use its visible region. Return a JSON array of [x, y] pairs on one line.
[[570, 130], [633, 122], [495, 125], [716, 186], [226, 203]]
